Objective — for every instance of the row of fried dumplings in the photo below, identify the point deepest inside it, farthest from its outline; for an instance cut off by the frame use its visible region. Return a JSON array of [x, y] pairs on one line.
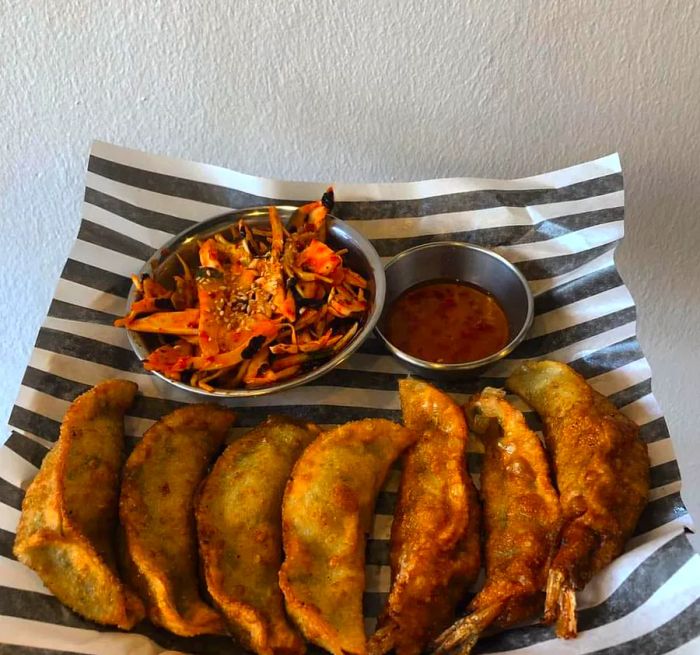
[[276, 520]]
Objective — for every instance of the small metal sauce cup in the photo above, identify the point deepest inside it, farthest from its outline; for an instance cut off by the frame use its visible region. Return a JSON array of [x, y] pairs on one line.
[[452, 260]]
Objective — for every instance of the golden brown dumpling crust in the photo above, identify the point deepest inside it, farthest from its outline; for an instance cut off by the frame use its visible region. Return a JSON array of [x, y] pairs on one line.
[[326, 515], [239, 522], [156, 509], [69, 514], [435, 551], [602, 472]]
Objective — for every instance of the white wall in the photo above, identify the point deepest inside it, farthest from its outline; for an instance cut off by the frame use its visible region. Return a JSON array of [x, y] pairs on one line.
[[364, 90]]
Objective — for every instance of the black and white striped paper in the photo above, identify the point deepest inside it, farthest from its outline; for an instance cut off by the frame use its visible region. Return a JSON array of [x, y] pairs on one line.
[[560, 229]]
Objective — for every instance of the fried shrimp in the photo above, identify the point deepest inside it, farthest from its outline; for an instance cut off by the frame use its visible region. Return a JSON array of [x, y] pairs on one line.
[[602, 471], [326, 514], [522, 520], [156, 509], [69, 514], [435, 550]]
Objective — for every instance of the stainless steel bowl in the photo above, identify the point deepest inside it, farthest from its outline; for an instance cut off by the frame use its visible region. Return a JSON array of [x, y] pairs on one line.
[[453, 260], [361, 256]]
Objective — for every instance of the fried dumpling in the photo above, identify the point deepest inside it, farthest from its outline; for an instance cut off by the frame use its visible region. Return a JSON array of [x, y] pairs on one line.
[[156, 509], [239, 522], [68, 525], [435, 550], [326, 514]]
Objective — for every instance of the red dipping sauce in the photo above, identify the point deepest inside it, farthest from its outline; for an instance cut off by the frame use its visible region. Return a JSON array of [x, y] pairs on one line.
[[447, 321]]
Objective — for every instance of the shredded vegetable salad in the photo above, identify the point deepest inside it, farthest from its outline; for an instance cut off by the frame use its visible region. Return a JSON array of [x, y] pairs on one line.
[[264, 305]]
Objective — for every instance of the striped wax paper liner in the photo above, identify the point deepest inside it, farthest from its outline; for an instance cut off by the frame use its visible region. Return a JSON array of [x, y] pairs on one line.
[[560, 229]]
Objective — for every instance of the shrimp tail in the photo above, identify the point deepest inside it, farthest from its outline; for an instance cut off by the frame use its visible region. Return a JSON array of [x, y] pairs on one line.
[[462, 635], [560, 605]]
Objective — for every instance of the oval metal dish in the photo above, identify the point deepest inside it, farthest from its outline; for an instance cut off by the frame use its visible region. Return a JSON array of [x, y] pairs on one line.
[[361, 256]]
